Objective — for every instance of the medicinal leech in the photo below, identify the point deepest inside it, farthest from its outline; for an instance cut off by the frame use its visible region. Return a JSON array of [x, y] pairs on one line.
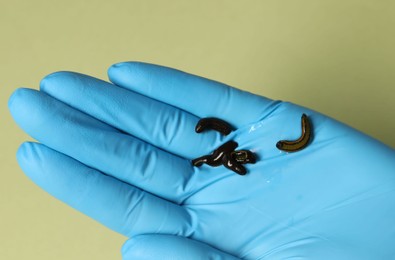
[[301, 142]]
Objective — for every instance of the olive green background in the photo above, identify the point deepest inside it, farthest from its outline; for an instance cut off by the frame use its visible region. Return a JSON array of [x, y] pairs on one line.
[[335, 56]]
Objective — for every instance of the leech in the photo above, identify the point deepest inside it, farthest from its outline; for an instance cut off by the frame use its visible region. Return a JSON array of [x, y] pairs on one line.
[[215, 159], [301, 142], [227, 156], [213, 123]]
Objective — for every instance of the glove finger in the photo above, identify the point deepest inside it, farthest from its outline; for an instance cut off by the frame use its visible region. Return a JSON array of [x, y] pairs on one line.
[[100, 146], [199, 96], [155, 122], [119, 206], [166, 247]]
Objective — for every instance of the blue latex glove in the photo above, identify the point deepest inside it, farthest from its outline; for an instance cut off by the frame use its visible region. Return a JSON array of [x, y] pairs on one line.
[[122, 155]]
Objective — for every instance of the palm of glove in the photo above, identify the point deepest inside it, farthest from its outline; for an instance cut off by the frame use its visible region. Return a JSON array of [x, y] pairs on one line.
[[307, 201], [122, 155]]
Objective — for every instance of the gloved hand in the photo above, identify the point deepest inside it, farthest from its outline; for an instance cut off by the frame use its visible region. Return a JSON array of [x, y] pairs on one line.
[[121, 153]]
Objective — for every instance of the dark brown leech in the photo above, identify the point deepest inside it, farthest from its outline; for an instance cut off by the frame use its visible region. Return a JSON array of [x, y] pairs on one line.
[[215, 159], [301, 142], [213, 123], [227, 156]]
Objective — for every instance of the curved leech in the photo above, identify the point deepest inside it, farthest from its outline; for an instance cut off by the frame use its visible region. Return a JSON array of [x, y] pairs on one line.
[[215, 159], [213, 123], [301, 142], [227, 156]]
